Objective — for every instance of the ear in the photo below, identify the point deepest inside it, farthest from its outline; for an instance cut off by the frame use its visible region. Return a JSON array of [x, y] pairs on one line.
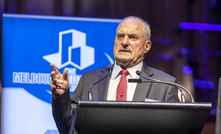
[[147, 46]]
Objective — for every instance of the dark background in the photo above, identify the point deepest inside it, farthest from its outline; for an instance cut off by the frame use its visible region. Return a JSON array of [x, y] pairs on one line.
[[203, 48]]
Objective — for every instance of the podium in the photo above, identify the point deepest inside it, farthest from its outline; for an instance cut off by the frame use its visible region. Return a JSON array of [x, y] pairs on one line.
[[112, 117]]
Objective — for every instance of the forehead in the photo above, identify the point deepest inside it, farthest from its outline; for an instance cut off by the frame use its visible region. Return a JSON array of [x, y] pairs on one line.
[[131, 26]]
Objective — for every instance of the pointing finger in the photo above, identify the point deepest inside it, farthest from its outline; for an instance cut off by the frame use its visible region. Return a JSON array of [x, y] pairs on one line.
[[54, 68]]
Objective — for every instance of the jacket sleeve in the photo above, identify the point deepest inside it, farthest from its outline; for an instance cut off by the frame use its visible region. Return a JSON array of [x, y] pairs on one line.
[[172, 93], [64, 106], [62, 112]]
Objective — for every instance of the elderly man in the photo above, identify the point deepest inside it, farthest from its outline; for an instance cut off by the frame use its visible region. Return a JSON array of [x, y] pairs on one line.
[[132, 42]]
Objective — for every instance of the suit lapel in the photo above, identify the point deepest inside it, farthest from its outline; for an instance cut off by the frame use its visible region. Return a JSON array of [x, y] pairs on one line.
[[102, 86], [142, 89]]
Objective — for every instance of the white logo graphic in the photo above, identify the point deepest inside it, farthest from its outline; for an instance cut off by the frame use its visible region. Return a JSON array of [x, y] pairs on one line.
[[77, 44]]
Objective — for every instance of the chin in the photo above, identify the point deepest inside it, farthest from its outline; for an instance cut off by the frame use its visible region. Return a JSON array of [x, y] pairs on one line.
[[123, 60]]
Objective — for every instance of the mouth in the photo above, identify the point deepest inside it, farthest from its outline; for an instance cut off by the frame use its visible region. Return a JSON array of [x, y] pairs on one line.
[[124, 50]]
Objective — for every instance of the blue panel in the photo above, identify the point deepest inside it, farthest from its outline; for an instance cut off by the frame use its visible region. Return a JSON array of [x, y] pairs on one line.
[[30, 43], [76, 59]]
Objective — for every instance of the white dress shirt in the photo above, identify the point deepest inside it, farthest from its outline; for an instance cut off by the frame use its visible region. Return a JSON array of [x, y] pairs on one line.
[[115, 79]]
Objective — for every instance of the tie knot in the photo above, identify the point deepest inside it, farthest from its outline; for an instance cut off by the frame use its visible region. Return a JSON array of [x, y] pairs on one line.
[[124, 72]]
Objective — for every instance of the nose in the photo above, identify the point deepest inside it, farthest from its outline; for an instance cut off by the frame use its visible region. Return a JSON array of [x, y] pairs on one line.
[[125, 41]]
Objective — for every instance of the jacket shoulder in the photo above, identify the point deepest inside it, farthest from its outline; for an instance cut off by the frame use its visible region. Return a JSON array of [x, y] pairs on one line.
[[158, 74], [97, 71]]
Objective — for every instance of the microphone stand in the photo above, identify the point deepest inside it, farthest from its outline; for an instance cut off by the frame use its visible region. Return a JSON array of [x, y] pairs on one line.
[[90, 96], [178, 86], [165, 82]]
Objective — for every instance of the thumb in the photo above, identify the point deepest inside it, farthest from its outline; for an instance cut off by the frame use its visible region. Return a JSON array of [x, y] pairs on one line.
[[65, 74]]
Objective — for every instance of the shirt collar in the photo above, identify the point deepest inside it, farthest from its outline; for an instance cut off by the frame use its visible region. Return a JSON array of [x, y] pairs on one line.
[[132, 70]]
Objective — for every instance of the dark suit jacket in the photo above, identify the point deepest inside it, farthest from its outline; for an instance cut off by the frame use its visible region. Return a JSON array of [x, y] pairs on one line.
[[64, 106]]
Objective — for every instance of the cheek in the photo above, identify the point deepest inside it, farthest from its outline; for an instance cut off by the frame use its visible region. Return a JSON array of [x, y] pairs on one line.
[[137, 48], [115, 48], [138, 51]]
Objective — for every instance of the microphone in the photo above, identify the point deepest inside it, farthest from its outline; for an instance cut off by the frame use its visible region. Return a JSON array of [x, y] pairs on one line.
[[139, 73], [90, 96], [135, 80], [166, 82]]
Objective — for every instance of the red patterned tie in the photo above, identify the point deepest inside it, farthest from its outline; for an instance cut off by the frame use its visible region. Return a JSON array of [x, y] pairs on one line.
[[122, 86]]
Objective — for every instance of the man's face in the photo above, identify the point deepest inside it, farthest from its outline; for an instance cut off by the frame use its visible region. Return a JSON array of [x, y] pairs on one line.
[[130, 44]]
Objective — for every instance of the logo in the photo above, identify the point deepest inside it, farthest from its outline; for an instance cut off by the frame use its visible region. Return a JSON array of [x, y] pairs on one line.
[[73, 51], [72, 43]]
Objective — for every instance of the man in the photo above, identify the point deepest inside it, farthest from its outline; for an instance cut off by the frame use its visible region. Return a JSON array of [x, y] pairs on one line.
[[132, 42]]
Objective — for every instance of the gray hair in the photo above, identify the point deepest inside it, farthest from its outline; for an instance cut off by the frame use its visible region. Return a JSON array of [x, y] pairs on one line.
[[147, 26]]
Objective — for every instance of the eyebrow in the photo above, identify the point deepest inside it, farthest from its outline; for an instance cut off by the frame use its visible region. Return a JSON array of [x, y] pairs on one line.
[[132, 34]]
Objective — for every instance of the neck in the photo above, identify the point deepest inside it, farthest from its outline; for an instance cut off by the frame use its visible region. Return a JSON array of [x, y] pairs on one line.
[[126, 65]]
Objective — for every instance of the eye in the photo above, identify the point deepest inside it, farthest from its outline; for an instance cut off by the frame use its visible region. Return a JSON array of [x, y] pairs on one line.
[[120, 36], [133, 37]]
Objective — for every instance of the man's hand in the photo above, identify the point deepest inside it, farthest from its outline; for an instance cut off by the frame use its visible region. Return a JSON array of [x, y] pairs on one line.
[[59, 83]]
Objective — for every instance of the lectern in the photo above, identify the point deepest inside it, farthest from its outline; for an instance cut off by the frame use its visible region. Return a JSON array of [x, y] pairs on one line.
[[112, 117]]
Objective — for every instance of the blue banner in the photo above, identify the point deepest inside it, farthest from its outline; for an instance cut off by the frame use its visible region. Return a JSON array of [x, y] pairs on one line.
[[31, 43]]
